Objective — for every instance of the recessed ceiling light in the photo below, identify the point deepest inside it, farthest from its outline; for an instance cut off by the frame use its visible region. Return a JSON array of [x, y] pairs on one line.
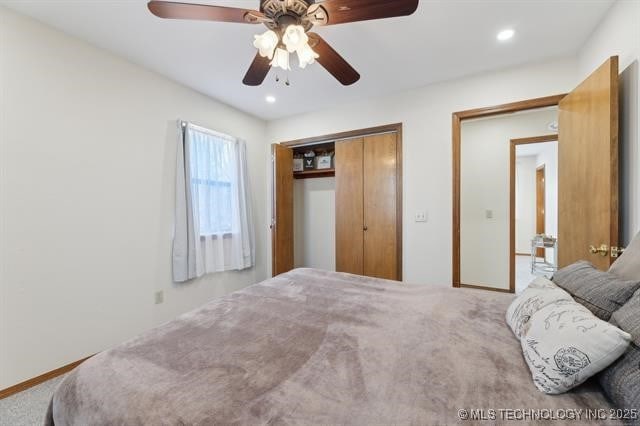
[[270, 99], [505, 35]]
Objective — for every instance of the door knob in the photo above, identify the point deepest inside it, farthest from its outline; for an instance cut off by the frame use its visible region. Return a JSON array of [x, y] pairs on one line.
[[603, 250], [366, 228]]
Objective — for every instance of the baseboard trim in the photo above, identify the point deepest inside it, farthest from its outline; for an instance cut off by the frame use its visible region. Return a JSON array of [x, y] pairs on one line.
[[12, 390], [480, 287]]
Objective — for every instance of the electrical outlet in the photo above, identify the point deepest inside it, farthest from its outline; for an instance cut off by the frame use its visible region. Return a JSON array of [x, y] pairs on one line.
[[159, 297], [421, 216]]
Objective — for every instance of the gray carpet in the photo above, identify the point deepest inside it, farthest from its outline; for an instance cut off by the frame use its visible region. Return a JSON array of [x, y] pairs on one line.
[[29, 407]]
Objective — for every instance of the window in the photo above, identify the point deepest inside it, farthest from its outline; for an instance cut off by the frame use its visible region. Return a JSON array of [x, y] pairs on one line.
[[213, 230], [213, 167], [215, 218]]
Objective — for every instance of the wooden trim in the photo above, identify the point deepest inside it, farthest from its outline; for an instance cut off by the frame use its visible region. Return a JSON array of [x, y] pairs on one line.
[[512, 199], [12, 390], [457, 118], [456, 199], [316, 173], [523, 254], [352, 134], [615, 175], [399, 175], [536, 139], [482, 287], [525, 105], [397, 127]]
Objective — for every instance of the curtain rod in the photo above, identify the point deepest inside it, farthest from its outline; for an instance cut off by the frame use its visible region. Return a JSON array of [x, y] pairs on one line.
[[202, 129]]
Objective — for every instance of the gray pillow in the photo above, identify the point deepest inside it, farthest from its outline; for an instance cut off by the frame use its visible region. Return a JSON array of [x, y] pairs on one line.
[[621, 380], [601, 292], [628, 264]]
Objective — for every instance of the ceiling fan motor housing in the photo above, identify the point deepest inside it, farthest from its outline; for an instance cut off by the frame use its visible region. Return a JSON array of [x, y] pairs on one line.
[[287, 12]]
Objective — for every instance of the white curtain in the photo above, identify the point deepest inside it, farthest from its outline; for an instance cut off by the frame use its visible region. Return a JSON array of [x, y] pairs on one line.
[[213, 225]]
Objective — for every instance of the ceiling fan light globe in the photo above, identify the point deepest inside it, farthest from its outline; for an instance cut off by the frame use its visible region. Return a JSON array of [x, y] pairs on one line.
[[294, 37], [306, 56], [281, 59], [266, 43]]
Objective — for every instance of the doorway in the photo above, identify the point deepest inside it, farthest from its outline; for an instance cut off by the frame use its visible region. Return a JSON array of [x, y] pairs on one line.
[[534, 208], [483, 240], [588, 205]]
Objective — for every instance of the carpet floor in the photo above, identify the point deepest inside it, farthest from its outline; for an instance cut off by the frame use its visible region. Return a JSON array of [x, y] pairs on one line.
[[29, 407]]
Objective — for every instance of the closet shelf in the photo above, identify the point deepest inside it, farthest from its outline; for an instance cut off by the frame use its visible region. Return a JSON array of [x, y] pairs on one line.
[[307, 174]]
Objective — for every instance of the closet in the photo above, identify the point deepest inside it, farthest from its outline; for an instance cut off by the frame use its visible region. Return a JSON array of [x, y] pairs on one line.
[[363, 189]]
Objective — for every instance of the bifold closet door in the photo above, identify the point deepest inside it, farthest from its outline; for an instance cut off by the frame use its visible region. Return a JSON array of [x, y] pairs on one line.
[[380, 206], [349, 156], [281, 210]]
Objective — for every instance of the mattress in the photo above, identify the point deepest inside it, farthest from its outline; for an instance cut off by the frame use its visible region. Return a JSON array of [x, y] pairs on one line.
[[318, 347]]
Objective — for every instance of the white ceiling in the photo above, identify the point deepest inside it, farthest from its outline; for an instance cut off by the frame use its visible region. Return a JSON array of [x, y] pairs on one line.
[[444, 39], [533, 149]]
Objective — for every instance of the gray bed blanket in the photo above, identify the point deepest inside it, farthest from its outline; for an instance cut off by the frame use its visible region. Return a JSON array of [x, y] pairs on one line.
[[317, 347]]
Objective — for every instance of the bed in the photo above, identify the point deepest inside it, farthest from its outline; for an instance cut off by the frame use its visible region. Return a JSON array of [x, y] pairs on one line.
[[319, 347]]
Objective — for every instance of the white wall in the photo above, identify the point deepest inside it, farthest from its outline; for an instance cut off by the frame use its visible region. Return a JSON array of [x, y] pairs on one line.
[[485, 186], [525, 193], [426, 115], [548, 156], [86, 198], [619, 34], [314, 202]]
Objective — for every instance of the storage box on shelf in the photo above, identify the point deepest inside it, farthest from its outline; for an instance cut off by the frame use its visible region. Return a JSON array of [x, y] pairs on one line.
[[320, 165]]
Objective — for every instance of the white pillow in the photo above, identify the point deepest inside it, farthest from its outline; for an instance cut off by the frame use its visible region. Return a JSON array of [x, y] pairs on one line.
[[565, 344], [537, 295]]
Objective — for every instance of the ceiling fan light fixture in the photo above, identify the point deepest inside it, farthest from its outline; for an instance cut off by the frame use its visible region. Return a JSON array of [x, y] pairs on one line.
[[294, 37], [281, 59], [306, 56], [266, 43]]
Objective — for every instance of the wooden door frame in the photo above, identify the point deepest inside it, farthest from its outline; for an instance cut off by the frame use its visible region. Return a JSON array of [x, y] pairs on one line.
[[457, 119], [512, 199], [541, 170], [388, 128]]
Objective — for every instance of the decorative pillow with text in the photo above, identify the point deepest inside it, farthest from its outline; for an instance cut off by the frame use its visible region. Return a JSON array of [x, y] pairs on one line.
[[537, 295], [565, 344]]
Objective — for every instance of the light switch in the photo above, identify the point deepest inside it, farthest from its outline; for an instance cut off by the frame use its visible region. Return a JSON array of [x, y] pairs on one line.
[[489, 214], [421, 216], [159, 297]]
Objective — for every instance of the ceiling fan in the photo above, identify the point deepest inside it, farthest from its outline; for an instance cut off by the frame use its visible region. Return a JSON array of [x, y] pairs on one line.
[[289, 23]]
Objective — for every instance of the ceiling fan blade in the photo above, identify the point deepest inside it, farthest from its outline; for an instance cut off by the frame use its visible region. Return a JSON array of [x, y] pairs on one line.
[[203, 12], [257, 71], [332, 12], [332, 61]]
